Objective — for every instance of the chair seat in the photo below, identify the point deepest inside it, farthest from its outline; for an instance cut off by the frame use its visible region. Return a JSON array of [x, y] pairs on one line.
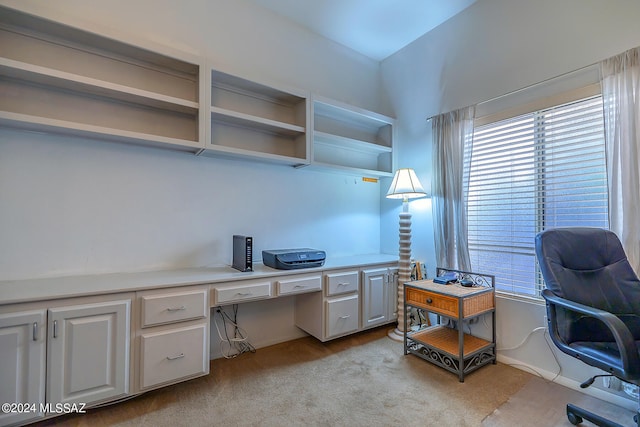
[[604, 355]]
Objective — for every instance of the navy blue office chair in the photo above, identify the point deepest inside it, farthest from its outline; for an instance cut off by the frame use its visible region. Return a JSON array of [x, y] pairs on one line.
[[593, 305]]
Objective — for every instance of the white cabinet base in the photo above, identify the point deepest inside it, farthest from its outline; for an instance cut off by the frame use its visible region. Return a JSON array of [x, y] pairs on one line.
[[351, 301]]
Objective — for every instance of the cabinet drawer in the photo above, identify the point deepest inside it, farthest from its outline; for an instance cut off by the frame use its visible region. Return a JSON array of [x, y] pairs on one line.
[[171, 355], [341, 283], [342, 315], [240, 292], [173, 307], [299, 284], [441, 304]]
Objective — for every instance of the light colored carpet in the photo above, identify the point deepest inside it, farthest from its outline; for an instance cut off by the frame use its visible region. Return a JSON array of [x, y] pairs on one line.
[[361, 380], [543, 404]]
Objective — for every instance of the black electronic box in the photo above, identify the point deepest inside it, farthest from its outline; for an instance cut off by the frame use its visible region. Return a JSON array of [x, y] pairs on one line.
[[242, 253]]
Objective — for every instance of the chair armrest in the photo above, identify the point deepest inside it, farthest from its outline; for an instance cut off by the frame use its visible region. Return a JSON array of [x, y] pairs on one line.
[[625, 342]]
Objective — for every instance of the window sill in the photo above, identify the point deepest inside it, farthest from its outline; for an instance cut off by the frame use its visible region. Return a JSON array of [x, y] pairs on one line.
[[520, 298]]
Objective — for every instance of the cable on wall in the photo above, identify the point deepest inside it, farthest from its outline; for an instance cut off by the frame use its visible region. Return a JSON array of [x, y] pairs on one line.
[[524, 341], [236, 344]]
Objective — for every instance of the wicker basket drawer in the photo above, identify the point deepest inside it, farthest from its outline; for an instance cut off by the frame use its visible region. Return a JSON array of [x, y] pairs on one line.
[[442, 304]]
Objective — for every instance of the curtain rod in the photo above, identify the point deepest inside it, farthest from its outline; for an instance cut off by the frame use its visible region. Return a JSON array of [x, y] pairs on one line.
[[495, 98]]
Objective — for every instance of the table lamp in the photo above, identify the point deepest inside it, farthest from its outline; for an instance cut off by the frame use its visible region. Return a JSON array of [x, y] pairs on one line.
[[405, 186]]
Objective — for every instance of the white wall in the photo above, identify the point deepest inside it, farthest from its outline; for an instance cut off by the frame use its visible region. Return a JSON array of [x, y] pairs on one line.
[[77, 206], [81, 207], [492, 48]]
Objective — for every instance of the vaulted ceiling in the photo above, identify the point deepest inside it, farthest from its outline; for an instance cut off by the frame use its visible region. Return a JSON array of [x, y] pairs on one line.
[[375, 28]]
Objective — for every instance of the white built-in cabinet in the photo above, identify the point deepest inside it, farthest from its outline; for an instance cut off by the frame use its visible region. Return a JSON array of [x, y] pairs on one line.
[[59, 79], [55, 78], [88, 352], [341, 303], [64, 352], [22, 362], [172, 339], [350, 301], [71, 347]]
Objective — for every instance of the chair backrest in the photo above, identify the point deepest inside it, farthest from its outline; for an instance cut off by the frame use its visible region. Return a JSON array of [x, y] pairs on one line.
[[589, 266]]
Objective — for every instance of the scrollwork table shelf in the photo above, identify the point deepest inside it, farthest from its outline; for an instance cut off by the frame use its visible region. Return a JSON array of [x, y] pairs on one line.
[[445, 343]]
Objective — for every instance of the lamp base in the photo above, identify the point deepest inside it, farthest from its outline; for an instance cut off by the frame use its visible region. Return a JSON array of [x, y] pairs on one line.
[[396, 335]]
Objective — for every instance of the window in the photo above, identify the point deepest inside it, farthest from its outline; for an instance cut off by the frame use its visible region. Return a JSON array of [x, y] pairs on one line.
[[529, 173]]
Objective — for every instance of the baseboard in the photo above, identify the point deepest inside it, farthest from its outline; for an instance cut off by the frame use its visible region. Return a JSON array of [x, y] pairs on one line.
[[279, 340], [598, 393]]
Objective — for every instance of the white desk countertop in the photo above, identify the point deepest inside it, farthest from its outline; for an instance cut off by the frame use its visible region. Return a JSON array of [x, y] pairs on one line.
[[17, 291]]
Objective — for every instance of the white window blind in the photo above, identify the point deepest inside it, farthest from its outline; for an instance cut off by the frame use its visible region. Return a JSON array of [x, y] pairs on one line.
[[539, 170]]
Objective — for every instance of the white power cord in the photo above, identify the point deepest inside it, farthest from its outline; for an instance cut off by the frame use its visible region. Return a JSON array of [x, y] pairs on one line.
[[234, 346], [524, 341]]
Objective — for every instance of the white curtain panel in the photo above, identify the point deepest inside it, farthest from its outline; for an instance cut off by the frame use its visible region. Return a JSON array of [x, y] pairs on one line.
[[621, 99], [452, 139]]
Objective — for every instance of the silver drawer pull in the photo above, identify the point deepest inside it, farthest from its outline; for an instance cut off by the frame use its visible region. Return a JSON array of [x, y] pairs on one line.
[[346, 316], [180, 356], [35, 331], [343, 284], [244, 294], [299, 287], [171, 310]]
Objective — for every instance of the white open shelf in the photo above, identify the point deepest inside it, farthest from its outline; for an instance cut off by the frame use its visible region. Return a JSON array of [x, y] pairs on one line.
[[341, 142], [351, 139], [89, 86], [59, 79], [222, 115], [259, 121], [39, 124], [55, 78]]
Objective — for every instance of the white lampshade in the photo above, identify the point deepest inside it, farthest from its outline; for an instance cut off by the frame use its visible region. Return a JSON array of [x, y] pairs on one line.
[[405, 185]]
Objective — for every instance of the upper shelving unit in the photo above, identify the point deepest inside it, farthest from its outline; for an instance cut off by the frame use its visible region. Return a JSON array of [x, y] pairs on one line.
[[253, 120], [351, 139], [60, 79]]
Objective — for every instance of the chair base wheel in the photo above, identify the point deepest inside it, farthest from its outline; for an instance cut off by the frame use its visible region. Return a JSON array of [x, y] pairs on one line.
[[574, 419], [576, 415]]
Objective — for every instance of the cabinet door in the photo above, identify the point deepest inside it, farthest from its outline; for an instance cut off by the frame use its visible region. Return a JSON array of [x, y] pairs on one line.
[[22, 362], [88, 356], [375, 297]]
